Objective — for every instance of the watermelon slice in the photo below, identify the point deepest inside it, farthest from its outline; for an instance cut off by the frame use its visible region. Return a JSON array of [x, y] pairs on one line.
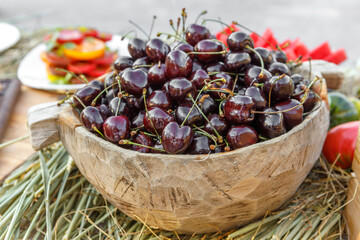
[[321, 51], [337, 57]]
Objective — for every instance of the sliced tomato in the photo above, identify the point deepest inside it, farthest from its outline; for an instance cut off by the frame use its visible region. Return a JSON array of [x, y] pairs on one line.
[[81, 67], [337, 57], [54, 59], [106, 60], [70, 35], [90, 32], [104, 36], [89, 49], [98, 71]]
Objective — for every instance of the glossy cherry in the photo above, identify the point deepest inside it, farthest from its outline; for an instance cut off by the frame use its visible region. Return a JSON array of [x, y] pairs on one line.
[[178, 64], [104, 111], [225, 83], [270, 125], [136, 48], [159, 99], [293, 117], [196, 65], [157, 75], [297, 78], [123, 62], [239, 109], [138, 120], [310, 100], [265, 54], [97, 84], [176, 139], [238, 41], [86, 95], [119, 106], [258, 97], [156, 49], [134, 81], [281, 88], [141, 62], [194, 117], [207, 104], [185, 47], [91, 118], [279, 56], [198, 78], [159, 118], [241, 136], [221, 125], [195, 33], [116, 128], [200, 145], [111, 94], [179, 89], [278, 68], [255, 74], [237, 61], [158, 146], [142, 139], [209, 46], [216, 67]]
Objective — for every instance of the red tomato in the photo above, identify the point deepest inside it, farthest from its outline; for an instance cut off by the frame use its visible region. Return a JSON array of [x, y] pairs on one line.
[[340, 144], [81, 67], [56, 60], [90, 32], [98, 71], [106, 60], [70, 35], [104, 36]]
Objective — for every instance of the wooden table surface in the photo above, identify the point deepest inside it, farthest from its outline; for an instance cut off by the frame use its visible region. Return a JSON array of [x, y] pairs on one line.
[[13, 155]]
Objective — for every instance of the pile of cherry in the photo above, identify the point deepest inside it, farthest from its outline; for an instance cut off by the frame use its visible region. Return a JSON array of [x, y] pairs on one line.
[[196, 96]]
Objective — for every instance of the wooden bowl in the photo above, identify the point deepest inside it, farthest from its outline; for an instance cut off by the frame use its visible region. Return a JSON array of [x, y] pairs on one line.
[[188, 193]]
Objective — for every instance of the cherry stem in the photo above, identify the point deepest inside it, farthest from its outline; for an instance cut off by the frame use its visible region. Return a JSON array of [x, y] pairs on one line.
[[310, 67], [93, 103], [78, 99], [221, 112], [148, 115], [249, 30], [97, 130], [235, 82], [83, 78], [230, 73], [152, 26], [118, 107], [201, 14], [64, 99], [171, 35], [263, 138], [138, 27], [201, 112], [149, 134], [140, 66], [260, 59], [206, 134], [184, 17], [126, 34], [211, 53], [271, 87], [121, 142], [219, 21]]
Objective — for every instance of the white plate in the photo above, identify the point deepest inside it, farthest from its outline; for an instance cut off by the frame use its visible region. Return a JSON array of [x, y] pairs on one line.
[[10, 35], [32, 70]]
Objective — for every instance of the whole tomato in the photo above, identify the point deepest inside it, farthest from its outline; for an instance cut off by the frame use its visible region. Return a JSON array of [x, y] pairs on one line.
[[340, 143]]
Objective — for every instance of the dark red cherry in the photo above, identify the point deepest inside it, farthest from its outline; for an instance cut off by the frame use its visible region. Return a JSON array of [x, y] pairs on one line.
[[134, 81], [198, 78], [104, 111], [265, 54], [220, 124], [311, 98], [252, 75], [165, 87], [116, 128], [270, 125], [110, 79], [97, 84], [279, 56], [142, 139], [123, 62], [293, 117], [238, 41], [111, 94], [176, 139], [225, 83], [237, 61], [118, 106], [159, 99], [86, 95], [207, 104], [159, 118], [140, 63], [239, 109], [281, 87], [196, 65], [200, 145], [207, 46], [180, 88], [195, 33], [158, 146], [136, 47], [216, 67], [182, 112], [297, 78], [134, 103], [258, 97], [157, 75], [278, 68], [185, 47], [156, 49], [91, 118], [241, 136], [178, 64], [138, 120]]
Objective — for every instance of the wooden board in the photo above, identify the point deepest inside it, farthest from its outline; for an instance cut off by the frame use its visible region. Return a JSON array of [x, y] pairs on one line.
[[14, 155]]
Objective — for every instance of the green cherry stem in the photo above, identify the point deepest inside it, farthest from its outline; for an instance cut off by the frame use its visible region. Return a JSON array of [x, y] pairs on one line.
[[203, 132], [138, 27], [211, 53], [97, 130], [260, 59], [121, 142], [178, 37], [93, 103], [147, 114], [271, 87], [78, 99], [152, 26], [219, 21], [201, 14]]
